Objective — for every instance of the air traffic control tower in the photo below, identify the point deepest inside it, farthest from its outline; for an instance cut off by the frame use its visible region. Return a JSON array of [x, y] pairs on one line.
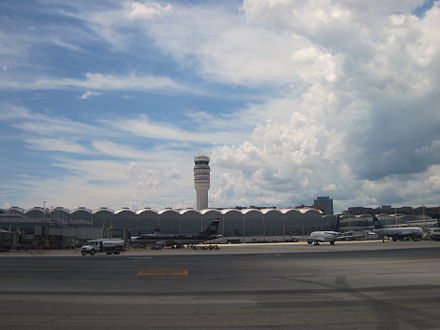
[[202, 173]]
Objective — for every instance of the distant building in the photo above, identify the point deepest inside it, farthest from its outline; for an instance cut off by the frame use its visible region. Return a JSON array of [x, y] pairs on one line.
[[423, 211], [427, 211], [261, 207], [324, 203], [358, 210]]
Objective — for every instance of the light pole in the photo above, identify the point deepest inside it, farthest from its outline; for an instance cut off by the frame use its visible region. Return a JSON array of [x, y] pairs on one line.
[[44, 224], [44, 213]]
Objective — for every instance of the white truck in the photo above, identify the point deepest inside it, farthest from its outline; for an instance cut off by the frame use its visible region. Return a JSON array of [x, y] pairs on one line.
[[108, 246]]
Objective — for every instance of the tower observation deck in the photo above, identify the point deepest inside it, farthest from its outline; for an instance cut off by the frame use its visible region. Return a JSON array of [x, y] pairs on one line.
[[202, 173]]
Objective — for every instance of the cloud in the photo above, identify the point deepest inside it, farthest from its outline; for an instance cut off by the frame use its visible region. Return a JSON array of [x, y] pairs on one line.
[[88, 94], [95, 183], [213, 41], [98, 81], [56, 41], [361, 126], [118, 150], [50, 144], [12, 111], [26, 35], [12, 51], [434, 180], [352, 111], [136, 10], [228, 51], [45, 125], [139, 174], [145, 127]]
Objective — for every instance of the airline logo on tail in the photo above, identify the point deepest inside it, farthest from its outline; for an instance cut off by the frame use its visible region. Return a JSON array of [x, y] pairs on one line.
[[376, 222], [212, 228]]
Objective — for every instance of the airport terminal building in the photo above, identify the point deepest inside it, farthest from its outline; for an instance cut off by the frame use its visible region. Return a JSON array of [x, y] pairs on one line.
[[59, 227]]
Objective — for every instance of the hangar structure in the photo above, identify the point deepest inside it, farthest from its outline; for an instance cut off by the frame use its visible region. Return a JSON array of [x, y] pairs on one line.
[[59, 224]]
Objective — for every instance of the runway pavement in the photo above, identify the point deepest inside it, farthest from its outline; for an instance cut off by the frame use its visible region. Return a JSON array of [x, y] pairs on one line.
[[367, 285]]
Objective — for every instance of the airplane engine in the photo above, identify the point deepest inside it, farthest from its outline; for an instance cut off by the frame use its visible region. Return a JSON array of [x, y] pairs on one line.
[[309, 241]]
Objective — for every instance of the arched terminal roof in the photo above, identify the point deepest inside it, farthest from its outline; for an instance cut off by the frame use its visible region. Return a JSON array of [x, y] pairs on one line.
[[82, 209], [265, 211], [189, 210], [167, 210], [285, 211], [104, 209], [226, 211], [36, 209], [16, 209], [145, 210], [60, 209], [183, 211], [246, 211], [125, 209], [305, 210], [209, 210]]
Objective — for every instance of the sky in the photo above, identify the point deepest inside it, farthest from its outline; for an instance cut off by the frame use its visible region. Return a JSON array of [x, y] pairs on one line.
[[106, 103]]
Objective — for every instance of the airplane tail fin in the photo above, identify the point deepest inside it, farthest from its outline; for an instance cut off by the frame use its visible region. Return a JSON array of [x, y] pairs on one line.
[[212, 228], [376, 222], [338, 223]]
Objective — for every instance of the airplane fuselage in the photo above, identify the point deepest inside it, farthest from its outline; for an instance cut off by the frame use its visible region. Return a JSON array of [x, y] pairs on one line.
[[208, 234], [170, 240], [396, 232], [317, 237], [400, 232]]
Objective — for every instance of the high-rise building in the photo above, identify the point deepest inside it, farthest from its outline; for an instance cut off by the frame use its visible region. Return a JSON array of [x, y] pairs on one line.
[[202, 173], [324, 203]]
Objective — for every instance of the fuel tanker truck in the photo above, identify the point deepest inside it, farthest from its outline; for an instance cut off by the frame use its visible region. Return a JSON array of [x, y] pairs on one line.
[[108, 246]]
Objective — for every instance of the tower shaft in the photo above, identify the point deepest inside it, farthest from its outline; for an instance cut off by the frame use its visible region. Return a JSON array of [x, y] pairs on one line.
[[202, 173]]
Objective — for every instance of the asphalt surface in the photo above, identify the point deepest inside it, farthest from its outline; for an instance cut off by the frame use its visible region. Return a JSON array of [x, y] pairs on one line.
[[346, 286]]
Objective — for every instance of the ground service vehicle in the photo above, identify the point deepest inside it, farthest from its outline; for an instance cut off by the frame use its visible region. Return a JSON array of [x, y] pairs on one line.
[[108, 246]]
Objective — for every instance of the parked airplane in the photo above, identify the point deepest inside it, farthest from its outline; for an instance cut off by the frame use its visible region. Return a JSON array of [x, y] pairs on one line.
[[317, 237], [355, 235], [157, 239], [396, 233], [433, 233]]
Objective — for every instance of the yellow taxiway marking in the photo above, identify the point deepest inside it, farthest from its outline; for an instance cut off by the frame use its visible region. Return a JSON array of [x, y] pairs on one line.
[[162, 272]]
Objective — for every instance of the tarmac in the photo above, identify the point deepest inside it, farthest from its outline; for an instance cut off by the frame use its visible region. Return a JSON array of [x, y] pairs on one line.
[[351, 285]]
